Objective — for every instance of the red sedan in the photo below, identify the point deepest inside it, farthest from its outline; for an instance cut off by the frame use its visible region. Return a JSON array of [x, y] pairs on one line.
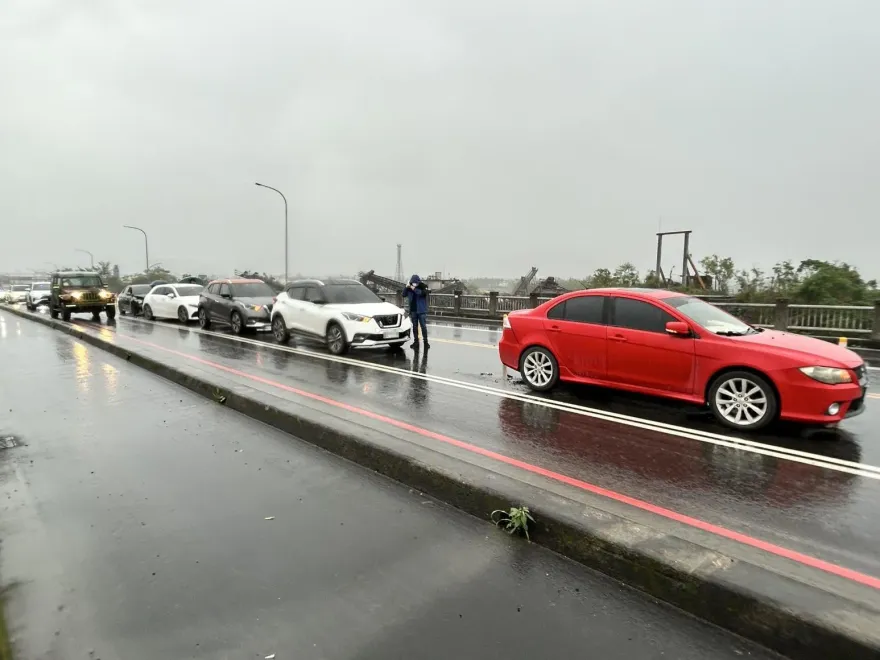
[[677, 346]]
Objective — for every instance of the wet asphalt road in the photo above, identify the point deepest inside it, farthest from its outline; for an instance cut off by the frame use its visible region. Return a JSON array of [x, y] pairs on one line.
[[820, 510], [134, 527]]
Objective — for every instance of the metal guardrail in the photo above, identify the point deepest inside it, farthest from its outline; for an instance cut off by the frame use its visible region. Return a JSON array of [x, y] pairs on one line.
[[845, 320]]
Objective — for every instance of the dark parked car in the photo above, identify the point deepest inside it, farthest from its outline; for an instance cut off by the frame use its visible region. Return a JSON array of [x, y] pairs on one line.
[[131, 300], [240, 304], [75, 292]]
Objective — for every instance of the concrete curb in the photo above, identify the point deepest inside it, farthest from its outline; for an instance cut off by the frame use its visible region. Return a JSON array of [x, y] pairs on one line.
[[786, 615]]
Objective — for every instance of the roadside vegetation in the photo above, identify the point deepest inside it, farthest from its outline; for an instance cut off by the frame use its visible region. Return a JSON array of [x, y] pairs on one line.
[[812, 282], [514, 521]]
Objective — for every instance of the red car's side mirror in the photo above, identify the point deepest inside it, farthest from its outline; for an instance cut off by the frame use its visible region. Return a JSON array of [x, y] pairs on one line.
[[678, 328]]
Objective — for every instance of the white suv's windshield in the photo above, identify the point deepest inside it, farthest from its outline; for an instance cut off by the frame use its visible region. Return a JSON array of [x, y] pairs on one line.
[[710, 317], [40, 286], [351, 294]]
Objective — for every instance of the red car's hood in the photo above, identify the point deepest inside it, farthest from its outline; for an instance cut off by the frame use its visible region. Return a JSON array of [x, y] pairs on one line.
[[816, 351]]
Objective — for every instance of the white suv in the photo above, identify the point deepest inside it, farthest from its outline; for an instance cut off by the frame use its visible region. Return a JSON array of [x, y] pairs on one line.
[[343, 313]]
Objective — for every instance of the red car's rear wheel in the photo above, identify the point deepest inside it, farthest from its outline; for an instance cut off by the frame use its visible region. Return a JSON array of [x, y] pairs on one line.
[[539, 369]]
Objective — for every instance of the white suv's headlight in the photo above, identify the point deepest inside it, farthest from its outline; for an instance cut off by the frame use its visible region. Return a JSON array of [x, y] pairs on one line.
[[359, 318], [827, 375]]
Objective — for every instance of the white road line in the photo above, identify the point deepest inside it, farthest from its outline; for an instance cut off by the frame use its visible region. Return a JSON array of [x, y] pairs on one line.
[[828, 462], [465, 328]]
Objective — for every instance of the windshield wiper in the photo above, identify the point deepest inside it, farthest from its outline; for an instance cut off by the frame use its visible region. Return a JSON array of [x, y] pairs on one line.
[[735, 333]]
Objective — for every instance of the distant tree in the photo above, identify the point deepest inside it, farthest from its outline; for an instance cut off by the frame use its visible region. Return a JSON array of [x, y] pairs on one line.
[[750, 284], [602, 277], [785, 280], [652, 280], [825, 283], [722, 271], [626, 275]]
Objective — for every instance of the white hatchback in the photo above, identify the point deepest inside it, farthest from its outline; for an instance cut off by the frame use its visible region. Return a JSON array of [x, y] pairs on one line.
[[173, 301], [342, 313]]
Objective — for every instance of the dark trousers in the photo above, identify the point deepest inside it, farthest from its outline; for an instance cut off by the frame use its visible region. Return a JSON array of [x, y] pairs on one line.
[[420, 321]]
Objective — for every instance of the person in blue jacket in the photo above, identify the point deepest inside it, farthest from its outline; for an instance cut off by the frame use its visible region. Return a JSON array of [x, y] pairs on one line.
[[416, 295]]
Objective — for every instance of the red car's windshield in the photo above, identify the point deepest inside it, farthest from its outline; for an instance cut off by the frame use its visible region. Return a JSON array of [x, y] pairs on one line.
[[710, 317]]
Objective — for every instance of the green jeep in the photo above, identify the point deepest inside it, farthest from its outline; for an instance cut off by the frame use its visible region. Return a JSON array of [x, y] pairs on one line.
[[78, 292]]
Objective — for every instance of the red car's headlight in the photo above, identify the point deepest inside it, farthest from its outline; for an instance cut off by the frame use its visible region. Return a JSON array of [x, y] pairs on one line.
[[827, 375]]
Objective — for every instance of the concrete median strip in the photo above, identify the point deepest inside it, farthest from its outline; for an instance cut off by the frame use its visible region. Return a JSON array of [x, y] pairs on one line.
[[798, 613]]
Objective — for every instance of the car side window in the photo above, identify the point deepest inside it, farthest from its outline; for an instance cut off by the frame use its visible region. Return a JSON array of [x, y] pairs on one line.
[[224, 289], [161, 291], [557, 312], [585, 309], [127, 291], [639, 315], [296, 293], [313, 294]]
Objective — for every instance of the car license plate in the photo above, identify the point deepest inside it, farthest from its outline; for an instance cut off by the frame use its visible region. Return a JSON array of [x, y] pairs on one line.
[[391, 334]]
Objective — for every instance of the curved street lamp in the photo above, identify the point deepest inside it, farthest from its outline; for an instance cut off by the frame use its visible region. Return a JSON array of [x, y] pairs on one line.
[[146, 244], [91, 256], [285, 225]]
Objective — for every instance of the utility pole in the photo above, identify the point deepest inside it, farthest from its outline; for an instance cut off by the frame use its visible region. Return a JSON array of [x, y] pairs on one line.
[[398, 273]]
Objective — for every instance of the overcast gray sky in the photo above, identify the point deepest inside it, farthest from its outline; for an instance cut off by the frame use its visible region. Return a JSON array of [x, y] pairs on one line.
[[485, 136]]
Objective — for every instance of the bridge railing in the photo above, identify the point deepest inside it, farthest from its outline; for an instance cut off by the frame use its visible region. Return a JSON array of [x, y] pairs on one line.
[[762, 315], [844, 320]]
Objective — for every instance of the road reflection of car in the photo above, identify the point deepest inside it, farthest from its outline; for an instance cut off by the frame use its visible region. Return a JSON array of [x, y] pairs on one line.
[[17, 293], [606, 453], [37, 295], [342, 313], [131, 300], [241, 304], [672, 345], [75, 292], [173, 301]]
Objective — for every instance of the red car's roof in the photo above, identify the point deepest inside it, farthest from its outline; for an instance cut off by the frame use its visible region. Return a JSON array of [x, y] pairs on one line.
[[648, 293]]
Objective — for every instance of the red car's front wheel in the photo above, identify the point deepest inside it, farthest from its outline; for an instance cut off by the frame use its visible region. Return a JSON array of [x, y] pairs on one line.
[[743, 400]]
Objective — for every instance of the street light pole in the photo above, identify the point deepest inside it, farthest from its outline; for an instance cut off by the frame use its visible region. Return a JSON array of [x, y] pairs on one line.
[[146, 244], [285, 226], [91, 256]]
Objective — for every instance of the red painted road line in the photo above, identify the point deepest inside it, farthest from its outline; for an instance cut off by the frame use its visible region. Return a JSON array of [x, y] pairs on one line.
[[793, 555]]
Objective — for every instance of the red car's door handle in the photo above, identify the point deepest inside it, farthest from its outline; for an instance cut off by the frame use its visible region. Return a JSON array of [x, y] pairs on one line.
[[617, 338], [553, 328]]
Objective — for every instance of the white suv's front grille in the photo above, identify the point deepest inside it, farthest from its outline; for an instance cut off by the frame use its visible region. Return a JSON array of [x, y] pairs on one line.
[[388, 320]]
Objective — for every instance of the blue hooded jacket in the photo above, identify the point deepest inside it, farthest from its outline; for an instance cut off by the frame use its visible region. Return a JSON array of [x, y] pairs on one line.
[[417, 299]]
